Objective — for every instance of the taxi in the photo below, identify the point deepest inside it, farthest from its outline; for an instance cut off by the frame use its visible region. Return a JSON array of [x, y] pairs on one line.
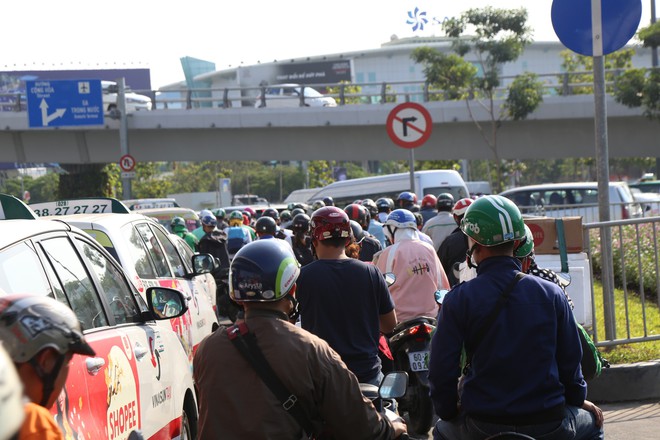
[[165, 215], [139, 382], [150, 255]]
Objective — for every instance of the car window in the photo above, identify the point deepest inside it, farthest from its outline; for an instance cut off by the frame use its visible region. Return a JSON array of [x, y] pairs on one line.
[[21, 271], [171, 253], [117, 293], [186, 254], [589, 197], [312, 93], [78, 287], [138, 252], [155, 251]]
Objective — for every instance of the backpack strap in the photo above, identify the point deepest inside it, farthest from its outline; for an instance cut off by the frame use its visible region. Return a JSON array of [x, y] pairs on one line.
[[246, 343]]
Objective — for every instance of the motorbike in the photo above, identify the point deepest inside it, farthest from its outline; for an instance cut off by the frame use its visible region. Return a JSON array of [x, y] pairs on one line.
[[226, 307], [393, 386]]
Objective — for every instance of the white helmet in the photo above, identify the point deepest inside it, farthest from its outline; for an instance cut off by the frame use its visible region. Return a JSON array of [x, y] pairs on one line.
[[11, 397]]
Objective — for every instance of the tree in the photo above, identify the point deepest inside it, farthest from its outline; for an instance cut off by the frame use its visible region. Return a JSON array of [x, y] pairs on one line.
[[499, 36], [579, 70]]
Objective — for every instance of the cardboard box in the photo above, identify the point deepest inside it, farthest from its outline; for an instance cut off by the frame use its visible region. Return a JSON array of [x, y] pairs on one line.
[[545, 234]]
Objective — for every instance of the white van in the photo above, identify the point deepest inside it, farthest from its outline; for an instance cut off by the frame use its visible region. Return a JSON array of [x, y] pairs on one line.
[[391, 185]]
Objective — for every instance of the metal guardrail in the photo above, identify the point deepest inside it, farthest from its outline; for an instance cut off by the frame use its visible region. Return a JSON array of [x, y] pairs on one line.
[[554, 84], [635, 260], [589, 211]]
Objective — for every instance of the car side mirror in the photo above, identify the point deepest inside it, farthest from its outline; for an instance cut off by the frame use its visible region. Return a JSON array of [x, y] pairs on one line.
[[165, 303], [203, 263]]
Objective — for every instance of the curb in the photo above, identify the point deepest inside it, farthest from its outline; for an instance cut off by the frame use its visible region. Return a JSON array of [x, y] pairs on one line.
[[626, 382]]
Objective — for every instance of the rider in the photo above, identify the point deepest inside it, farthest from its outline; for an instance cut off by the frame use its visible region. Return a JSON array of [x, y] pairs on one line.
[[41, 335], [221, 217], [302, 241], [385, 205], [328, 201], [442, 224], [199, 232], [178, 227], [233, 400], [12, 408], [214, 242], [453, 249], [524, 374], [375, 227], [416, 267], [266, 227], [238, 235], [369, 245], [280, 232], [407, 200], [342, 300], [428, 209]]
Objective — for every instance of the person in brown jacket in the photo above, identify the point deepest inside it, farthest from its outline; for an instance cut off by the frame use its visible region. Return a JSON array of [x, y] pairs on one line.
[[234, 401]]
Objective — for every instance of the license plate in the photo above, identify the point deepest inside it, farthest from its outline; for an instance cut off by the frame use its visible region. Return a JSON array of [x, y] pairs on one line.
[[419, 360]]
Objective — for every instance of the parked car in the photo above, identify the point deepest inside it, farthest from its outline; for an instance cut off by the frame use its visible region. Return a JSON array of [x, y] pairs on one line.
[[151, 257], [650, 202], [288, 95], [134, 101], [139, 383], [574, 199]]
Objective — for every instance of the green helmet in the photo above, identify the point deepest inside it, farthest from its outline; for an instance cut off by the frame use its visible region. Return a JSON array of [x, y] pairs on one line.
[[236, 215], [219, 213], [177, 222], [527, 248], [493, 220]]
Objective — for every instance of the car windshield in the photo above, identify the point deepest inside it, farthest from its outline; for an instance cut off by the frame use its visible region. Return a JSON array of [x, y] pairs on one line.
[[312, 93]]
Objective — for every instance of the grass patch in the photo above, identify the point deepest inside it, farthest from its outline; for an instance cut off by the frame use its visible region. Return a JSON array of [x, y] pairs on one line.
[[638, 351]]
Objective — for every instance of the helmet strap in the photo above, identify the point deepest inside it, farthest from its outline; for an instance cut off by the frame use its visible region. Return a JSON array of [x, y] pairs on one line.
[[294, 314], [468, 254], [47, 379], [391, 231]]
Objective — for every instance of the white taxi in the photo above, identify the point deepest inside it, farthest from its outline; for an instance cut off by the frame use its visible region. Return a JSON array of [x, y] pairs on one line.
[[139, 381], [150, 256]]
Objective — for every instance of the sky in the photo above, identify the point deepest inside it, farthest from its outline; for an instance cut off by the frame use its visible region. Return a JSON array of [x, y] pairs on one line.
[[84, 34]]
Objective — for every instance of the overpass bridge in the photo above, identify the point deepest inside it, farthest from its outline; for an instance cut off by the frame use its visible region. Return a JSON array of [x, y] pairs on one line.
[[563, 126]]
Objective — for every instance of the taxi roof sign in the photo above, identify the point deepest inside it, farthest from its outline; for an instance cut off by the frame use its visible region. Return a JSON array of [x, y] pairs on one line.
[[84, 205], [12, 208]]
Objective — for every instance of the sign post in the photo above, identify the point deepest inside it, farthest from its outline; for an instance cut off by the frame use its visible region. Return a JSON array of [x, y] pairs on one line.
[[596, 28], [409, 125]]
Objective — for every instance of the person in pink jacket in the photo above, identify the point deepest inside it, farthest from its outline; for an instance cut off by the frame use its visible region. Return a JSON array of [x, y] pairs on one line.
[[414, 263]]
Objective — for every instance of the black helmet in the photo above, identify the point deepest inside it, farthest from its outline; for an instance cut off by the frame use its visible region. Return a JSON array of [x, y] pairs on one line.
[[263, 271], [296, 211], [285, 215], [384, 204], [358, 232], [329, 201], [445, 202], [371, 207], [300, 223], [358, 213], [266, 225], [271, 212]]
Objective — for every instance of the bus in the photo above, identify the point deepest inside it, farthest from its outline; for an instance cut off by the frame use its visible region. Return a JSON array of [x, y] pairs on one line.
[[433, 182]]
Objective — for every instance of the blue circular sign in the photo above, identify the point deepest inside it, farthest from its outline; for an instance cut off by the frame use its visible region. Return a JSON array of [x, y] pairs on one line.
[[572, 22]]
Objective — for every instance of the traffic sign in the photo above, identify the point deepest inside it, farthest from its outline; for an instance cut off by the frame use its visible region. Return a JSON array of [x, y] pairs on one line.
[[126, 163], [409, 125], [582, 29], [64, 102]]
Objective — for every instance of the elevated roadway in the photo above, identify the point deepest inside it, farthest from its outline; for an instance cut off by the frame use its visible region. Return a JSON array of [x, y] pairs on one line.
[[563, 126]]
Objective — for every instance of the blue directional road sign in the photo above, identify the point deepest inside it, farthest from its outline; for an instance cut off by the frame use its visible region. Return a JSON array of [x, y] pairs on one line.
[[64, 102], [577, 24]]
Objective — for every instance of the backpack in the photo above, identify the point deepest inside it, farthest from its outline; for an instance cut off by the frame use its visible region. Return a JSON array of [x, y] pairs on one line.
[[235, 239], [592, 361]]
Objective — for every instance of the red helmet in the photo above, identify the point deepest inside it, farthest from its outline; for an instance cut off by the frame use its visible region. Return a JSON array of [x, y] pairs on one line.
[[429, 200], [358, 213], [330, 222], [461, 206]]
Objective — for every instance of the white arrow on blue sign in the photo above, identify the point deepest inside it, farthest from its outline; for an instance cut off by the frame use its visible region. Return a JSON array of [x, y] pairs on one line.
[[595, 27], [64, 102]]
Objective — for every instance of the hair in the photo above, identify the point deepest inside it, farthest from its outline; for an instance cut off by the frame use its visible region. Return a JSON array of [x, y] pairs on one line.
[[336, 242], [353, 250], [503, 249]]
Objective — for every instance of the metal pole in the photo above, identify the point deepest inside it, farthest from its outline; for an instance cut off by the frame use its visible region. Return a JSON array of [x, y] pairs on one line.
[[654, 50], [412, 170], [123, 132]]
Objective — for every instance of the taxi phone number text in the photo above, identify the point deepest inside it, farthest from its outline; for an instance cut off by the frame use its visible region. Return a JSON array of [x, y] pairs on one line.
[[78, 209]]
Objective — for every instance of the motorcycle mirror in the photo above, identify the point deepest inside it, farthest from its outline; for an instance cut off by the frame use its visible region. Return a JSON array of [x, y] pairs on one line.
[[394, 385], [390, 278], [564, 279], [440, 295]]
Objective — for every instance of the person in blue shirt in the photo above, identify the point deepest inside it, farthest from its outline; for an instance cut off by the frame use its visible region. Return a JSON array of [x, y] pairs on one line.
[[524, 372]]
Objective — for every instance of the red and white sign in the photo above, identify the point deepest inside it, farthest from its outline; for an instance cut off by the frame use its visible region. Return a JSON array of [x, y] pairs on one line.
[[409, 125], [127, 163]]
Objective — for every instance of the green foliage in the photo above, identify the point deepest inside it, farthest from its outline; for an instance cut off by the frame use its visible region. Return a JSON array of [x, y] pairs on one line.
[[348, 90], [44, 188], [525, 95], [640, 88], [449, 73], [573, 63], [650, 35]]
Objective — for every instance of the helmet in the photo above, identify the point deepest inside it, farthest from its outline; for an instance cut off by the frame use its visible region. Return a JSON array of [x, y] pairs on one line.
[[527, 248], [204, 212], [318, 205], [419, 220], [285, 215], [329, 201], [401, 218], [461, 206], [177, 222], [31, 323], [358, 232], [384, 204], [250, 211], [371, 207], [272, 213], [297, 211], [493, 220], [358, 213], [236, 218], [219, 213], [407, 197], [330, 222], [262, 271], [209, 220], [266, 225], [11, 390], [295, 205], [445, 202], [246, 215], [429, 201], [300, 223]]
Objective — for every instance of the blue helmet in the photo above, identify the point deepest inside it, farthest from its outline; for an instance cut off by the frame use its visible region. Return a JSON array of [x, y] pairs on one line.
[[401, 218], [209, 220], [408, 197]]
